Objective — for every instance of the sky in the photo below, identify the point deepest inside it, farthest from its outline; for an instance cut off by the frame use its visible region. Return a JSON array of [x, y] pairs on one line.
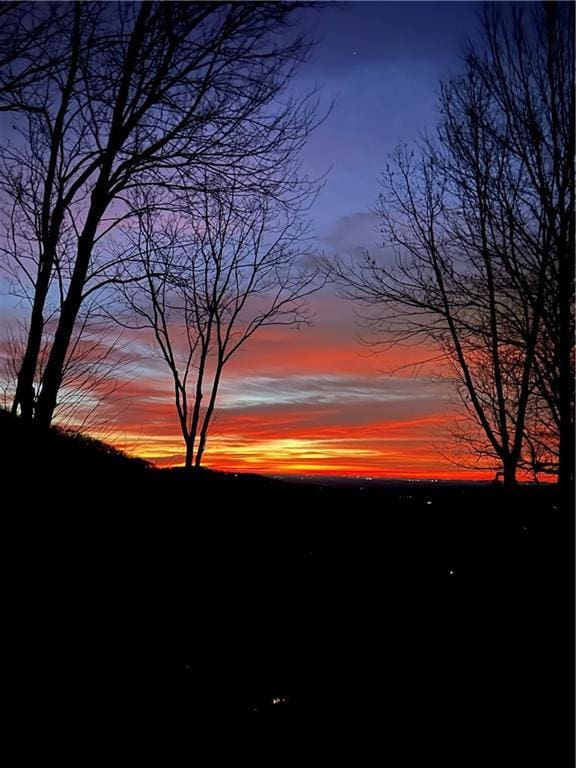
[[315, 400]]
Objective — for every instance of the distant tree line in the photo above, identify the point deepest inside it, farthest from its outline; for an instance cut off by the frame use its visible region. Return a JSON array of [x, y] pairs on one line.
[[151, 176], [481, 220]]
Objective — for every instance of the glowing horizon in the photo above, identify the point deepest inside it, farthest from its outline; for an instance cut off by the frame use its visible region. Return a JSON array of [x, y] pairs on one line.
[[307, 402]]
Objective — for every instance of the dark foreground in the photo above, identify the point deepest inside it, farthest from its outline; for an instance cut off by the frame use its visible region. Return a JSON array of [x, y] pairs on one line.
[[427, 624], [434, 619]]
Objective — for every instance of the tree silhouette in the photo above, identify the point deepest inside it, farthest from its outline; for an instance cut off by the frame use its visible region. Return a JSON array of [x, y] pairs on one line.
[[224, 265], [143, 95], [482, 223]]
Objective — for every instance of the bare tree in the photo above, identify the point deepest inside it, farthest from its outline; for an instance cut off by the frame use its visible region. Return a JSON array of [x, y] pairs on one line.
[[217, 272], [146, 94], [444, 292], [479, 223], [527, 66]]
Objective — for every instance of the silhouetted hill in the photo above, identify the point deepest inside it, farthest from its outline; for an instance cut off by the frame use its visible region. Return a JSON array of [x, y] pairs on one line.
[[24, 449], [425, 617]]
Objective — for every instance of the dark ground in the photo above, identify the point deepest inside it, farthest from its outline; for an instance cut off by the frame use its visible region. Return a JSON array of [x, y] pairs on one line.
[[427, 621]]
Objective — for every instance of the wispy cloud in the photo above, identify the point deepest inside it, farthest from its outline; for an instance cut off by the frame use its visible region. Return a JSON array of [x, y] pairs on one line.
[[321, 390]]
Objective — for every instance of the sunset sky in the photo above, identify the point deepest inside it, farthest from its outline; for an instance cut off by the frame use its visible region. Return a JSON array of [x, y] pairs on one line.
[[314, 400]]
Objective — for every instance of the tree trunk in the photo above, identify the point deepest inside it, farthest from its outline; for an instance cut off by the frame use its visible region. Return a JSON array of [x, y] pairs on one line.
[[208, 414], [189, 453], [566, 463], [509, 474], [566, 375], [54, 371], [52, 379], [24, 397]]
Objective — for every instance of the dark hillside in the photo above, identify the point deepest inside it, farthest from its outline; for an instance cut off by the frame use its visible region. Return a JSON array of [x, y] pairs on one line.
[[431, 618], [27, 452]]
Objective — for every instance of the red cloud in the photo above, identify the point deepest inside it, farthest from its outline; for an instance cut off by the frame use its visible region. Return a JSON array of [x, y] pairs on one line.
[[344, 423]]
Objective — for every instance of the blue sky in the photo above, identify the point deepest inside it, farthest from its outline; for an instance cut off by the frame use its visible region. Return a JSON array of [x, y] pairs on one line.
[[382, 63]]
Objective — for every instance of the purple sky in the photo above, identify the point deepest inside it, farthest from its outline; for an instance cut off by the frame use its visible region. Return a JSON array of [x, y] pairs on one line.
[[382, 62], [313, 400]]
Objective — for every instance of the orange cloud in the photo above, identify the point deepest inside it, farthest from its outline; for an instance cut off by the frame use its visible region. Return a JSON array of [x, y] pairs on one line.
[[309, 401]]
